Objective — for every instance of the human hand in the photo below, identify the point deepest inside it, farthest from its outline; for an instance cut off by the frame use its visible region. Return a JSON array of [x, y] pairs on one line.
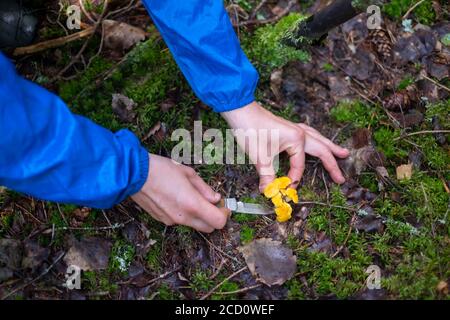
[[175, 194], [294, 138]]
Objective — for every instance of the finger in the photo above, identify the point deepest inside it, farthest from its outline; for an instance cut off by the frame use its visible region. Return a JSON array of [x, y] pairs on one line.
[[335, 149], [208, 213], [201, 226], [329, 162], [266, 175], [297, 165], [204, 189]]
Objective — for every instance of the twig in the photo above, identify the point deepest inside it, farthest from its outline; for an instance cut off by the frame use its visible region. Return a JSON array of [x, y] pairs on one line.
[[352, 221], [112, 227], [210, 292], [257, 8], [270, 20], [327, 205], [240, 290], [80, 52], [219, 268], [35, 279], [54, 43], [421, 132], [436, 83], [411, 9], [218, 249]]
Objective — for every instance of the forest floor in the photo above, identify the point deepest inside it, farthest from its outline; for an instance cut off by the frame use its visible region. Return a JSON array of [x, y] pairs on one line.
[[384, 94]]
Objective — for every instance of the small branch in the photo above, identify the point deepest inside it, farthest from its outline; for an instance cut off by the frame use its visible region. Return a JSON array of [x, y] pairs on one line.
[[240, 290], [221, 283], [327, 205], [411, 9], [420, 132], [270, 20], [54, 43], [436, 83]]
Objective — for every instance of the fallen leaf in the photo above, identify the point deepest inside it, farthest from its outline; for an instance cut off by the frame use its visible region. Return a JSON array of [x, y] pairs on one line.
[[10, 253], [88, 253], [123, 107], [34, 255], [120, 36], [368, 221], [5, 274], [269, 261], [404, 172]]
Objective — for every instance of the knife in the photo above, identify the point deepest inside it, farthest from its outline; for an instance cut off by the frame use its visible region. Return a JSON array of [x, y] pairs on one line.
[[244, 207]]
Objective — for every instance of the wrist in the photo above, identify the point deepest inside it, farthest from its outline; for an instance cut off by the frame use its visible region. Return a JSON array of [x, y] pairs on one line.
[[233, 117]]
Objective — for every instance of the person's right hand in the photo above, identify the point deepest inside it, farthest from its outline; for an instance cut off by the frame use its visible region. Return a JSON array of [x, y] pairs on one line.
[[175, 194]]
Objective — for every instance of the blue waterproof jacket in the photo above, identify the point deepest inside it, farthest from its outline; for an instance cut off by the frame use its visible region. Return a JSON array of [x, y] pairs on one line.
[[50, 153]]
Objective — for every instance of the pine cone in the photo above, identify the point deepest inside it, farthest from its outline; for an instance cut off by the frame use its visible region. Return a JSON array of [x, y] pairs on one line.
[[402, 99], [381, 42]]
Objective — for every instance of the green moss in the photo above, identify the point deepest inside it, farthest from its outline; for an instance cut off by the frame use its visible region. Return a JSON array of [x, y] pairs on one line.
[[328, 67], [424, 12], [98, 281], [247, 234], [355, 112], [384, 138], [165, 293], [227, 286], [295, 290]]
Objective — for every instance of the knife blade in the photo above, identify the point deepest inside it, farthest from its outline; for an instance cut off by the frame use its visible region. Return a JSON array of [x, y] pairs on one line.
[[244, 207]]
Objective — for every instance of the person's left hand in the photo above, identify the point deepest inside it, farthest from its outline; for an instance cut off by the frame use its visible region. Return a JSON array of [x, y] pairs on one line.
[[294, 138]]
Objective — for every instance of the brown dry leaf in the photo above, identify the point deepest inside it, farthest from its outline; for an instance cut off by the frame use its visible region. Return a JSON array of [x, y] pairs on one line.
[[120, 36], [404, 172], [89, 253], [269, 261], [123, 107]]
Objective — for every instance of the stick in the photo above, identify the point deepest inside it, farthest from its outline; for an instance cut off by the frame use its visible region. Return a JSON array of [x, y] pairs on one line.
[[421, 132], [210, 292], [35, 279], [411, 9], [54, 43], [240, 290]]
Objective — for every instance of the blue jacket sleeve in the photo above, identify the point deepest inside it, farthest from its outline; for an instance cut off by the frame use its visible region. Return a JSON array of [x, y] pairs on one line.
[[202, 40], [52, 154]]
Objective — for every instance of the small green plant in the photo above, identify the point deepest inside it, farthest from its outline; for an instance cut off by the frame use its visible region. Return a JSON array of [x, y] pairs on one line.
[[122, 254], [266, 50], [247, 234], [201, 282], [165, 293], [405, 82], [328, 67]]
